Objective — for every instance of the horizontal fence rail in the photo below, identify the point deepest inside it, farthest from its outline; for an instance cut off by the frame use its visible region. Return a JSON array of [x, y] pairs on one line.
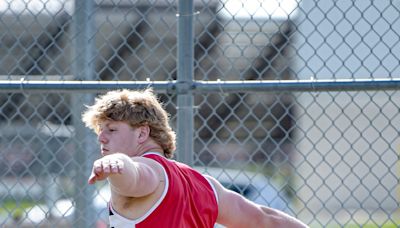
[[205, 86]]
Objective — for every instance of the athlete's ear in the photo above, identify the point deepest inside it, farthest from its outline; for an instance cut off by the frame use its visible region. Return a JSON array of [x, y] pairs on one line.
[[144, 133]]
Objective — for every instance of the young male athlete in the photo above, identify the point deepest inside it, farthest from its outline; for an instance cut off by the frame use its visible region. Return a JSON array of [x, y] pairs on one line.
[[148, 188]]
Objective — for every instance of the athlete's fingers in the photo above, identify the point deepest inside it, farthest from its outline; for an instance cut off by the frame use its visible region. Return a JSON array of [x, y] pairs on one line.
[[114, 166], [92, 178], [103, 167], [106, 165], [97, 166], [120, 165], [96, 171]]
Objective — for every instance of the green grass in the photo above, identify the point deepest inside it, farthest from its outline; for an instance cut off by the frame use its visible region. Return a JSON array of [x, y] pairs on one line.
[[367, 225], [14, 208], [386, 225]]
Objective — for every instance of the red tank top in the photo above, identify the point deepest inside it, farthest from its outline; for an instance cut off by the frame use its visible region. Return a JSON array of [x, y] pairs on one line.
[[189, 200]]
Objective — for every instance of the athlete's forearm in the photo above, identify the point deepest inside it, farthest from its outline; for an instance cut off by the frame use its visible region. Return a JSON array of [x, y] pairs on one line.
[[280, 219], [136, 179]]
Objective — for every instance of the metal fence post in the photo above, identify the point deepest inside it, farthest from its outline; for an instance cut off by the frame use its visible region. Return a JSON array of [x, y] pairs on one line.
[[83, 69], [185, 79]]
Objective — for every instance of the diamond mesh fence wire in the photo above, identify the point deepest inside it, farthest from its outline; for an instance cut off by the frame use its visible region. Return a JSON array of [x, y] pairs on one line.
[[330, 158]]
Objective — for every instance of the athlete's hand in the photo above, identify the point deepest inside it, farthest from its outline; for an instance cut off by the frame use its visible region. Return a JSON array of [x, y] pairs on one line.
[[104, 167]]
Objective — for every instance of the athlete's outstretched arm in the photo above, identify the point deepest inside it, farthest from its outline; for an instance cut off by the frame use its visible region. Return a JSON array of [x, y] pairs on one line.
[[131, 177], [234, 210]]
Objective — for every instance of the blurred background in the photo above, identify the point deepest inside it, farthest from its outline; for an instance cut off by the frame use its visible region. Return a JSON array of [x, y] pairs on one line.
[[324, 148]]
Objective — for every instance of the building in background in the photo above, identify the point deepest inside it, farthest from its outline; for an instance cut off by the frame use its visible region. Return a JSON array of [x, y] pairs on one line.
[[347, 145]]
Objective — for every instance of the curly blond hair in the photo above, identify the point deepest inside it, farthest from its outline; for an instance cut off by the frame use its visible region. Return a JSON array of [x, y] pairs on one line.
[[137, 108]]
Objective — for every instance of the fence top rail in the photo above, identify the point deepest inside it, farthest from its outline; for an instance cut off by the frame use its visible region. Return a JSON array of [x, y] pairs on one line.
[[180, 87]]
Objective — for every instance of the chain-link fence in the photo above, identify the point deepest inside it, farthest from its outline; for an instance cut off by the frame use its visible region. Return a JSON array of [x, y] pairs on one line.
[[294, 104]]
